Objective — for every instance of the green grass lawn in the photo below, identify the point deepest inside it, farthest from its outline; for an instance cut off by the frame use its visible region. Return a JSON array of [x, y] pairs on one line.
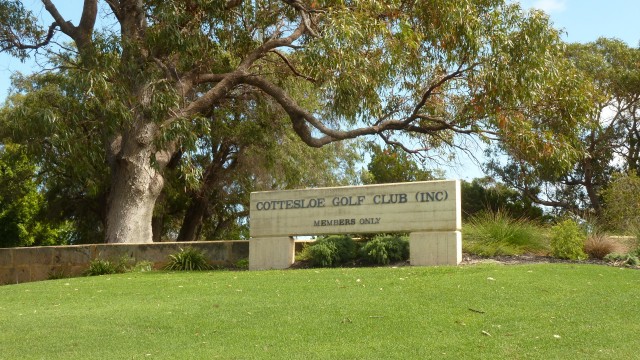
[[545, 311]]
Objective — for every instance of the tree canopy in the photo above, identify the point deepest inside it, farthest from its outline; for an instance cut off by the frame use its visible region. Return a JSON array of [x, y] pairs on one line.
[[23, 210], [393, 165], [128, 97], [608, 141]]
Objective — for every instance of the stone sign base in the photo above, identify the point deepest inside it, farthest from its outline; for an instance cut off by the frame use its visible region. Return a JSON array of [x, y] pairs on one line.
[[271, 253], [435, 248]]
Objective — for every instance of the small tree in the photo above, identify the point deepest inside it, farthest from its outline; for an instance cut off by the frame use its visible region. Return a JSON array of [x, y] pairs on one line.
[[622, 203]]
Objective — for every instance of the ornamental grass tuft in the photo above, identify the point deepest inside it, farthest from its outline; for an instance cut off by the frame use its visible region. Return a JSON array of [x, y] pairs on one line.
[[598, 246], [188, 259], [497, 233]]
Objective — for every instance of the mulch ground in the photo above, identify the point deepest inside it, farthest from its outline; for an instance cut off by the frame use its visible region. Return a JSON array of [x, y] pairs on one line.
[[468, 259]]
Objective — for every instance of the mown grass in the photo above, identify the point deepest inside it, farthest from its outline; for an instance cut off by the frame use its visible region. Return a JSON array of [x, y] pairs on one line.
[[557, 311]]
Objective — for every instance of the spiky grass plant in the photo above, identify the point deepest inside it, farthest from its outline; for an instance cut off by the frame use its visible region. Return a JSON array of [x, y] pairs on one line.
[[188, 259], [497, 233], [598, 246], [102, 267]]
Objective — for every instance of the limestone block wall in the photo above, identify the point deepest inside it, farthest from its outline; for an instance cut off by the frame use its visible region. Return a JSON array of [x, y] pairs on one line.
[[19, 265]]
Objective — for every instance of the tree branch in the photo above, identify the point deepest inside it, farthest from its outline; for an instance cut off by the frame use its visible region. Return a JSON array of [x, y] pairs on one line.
[[427, 94], [88, 18], [270, 45], [388, 141], [65, 26], [304, 13], [210, 78], [232, 4], [224, 84], [115, 7], [81, 35], [301, 119], [293, 69], [17, 44]]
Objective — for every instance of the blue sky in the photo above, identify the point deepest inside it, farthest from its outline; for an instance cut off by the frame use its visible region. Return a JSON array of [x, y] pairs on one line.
[[587, 20], [582, 20]]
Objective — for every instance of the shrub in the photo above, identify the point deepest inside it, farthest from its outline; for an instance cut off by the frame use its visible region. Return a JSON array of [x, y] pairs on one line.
[[331, 251], [188, 259], [142, 266], [567, 241], [242, 264], [57, 274], [598, 246], [103, 267], [497, 233], [623, 259], [384, 249], [321, 254], [622, 197], [636, 247]]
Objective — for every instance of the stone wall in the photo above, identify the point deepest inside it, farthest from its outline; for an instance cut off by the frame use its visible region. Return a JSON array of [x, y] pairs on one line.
[[19, 265]]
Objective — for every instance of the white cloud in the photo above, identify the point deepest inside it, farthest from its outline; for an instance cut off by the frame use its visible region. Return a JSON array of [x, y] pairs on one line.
[[550, 6]]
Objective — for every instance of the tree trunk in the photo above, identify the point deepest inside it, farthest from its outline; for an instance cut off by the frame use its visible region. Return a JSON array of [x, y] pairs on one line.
[[192, 223], [157, 224], [135, 187], [594, 197]]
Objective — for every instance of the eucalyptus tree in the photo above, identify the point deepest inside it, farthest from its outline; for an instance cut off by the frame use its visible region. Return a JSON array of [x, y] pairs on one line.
[[207, 182], [409, 72], [251, 149], [609, 139]]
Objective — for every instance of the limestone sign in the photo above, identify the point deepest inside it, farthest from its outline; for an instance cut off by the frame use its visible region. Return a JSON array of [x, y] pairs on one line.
[[429, 207]]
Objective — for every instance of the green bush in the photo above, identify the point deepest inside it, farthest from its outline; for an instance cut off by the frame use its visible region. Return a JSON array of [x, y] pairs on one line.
[[142, 266], [497, 233], [321, 254], [622, 197], [122, 265], [384, 249], [57, 274], [104, 267], [331, 251], [623, 259], [242, 264], [567, 241], [188, 259]]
